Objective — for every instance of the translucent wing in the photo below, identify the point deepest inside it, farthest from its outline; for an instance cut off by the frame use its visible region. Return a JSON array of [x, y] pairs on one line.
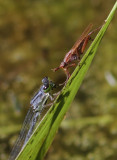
[[84, 34], [30, 117]]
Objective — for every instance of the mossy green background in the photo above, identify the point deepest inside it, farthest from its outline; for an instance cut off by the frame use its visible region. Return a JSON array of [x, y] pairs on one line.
[[34, 37]]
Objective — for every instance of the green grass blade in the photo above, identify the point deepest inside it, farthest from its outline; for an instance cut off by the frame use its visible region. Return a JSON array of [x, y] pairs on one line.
[[43, 136]]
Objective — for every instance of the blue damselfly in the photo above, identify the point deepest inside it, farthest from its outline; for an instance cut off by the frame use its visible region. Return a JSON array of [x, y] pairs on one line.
[[37, 104]]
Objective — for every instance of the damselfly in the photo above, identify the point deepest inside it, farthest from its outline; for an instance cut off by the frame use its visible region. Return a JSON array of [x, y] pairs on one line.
[[37, 105]]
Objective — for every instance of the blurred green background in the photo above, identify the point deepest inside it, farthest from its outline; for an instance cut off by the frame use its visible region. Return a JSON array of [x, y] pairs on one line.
[[34, 37]]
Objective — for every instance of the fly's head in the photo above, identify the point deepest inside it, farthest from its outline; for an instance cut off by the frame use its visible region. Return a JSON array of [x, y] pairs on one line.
[[48, 85]]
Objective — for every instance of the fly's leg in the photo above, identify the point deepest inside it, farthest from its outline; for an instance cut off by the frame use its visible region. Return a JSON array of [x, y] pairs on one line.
[[78, 60], [67, 74], [85, 43], [71, 65], [89, 38], [55, 69], [78, 51]]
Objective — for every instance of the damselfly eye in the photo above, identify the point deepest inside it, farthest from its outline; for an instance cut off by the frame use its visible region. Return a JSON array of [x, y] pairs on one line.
[[45, 87], [45, 80]]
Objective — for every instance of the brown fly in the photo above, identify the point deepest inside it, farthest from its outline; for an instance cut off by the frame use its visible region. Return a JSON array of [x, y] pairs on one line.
[[76, 51]]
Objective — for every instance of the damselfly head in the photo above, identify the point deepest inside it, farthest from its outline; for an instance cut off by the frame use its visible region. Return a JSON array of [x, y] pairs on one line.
[[47, 84]]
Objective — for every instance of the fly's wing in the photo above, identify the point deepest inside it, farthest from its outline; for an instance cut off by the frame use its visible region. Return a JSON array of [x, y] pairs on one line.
[[20, 141], [84, 34]]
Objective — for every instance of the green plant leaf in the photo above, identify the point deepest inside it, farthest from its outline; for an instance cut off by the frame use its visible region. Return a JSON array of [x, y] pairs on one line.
[[43, 136]]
